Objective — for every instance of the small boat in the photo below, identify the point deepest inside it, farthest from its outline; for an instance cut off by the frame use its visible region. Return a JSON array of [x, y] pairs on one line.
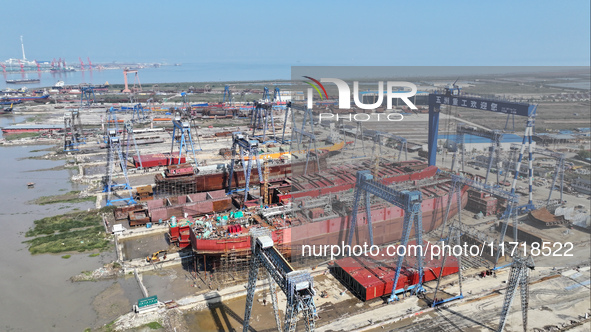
[[31, 184], [24, 81]]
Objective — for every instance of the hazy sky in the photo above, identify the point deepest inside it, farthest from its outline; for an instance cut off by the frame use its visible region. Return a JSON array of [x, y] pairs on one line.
[[302, 32]]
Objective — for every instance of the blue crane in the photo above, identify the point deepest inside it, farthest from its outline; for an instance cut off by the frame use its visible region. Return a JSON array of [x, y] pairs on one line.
[[409, 202], [87, 96], [113, 152], [261, 113], [111, 124], [138, 114], [250, 148], [227, 95], [265, 94], [183, 138], [298, 286], [276, 95]]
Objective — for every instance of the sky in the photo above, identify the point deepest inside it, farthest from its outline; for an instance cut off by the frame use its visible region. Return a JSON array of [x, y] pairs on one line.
[[376, 33]]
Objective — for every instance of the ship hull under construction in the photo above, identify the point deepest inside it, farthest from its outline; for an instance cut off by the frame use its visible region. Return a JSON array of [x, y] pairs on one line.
[[219, 180], [387, 224]]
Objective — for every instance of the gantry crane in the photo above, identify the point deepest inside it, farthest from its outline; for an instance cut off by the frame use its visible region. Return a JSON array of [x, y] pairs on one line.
[[181, 134], [288, 110], [409, 202], [490, 105], [87, 96], [298, 135], [251, 148], [359, 133], [261, 113], [519, 276], [136, 80], [73, 135], [227, 95], [138, 114], [128, 131], [510, 211], [298, 286], [494, 135], [113, 152], [266, 200], [558, 170], [276, 95], [266, 95]]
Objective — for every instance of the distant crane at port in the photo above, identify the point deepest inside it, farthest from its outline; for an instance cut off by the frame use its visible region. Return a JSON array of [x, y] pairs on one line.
[[23, 48], [89, 63], [81, 63], [298, 286]]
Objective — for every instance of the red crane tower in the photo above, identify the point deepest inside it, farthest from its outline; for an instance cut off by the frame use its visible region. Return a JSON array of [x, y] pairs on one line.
[[81, 63], [89, 63]]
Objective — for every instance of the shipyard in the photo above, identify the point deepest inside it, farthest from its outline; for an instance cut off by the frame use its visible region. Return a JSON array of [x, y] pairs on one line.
[[192, 184], [209, 167]]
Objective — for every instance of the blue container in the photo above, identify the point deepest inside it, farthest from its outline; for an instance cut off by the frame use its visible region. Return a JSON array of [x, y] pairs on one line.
[[149, 225]]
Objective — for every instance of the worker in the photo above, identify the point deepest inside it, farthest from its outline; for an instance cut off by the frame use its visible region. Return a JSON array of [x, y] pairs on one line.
[[265, 302]]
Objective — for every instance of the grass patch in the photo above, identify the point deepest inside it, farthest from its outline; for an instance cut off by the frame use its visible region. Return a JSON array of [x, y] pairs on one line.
[[154, 325], [12, 137], [94, 255], [64, 222], [69, 197], [77, 231], [66, 256], [91, 238], [109, 327]]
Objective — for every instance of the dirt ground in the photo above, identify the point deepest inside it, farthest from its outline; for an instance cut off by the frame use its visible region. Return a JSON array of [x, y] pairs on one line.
[[111, 303]]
